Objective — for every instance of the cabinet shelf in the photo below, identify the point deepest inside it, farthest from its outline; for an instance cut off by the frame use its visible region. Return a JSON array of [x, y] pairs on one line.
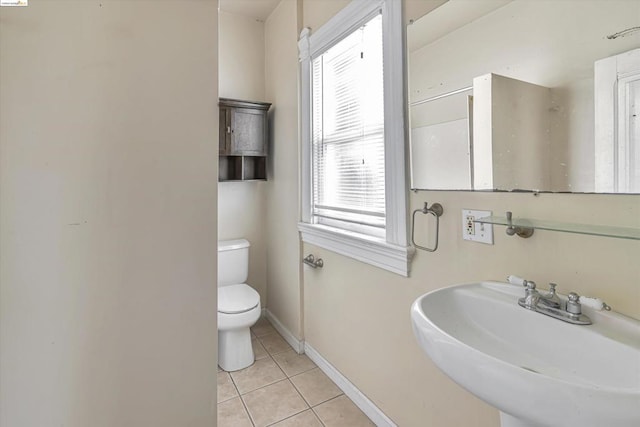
[[242, 168], [244, 135], [589, 229]]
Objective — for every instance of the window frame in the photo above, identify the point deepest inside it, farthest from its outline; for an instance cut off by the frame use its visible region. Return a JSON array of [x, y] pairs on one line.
[[392, 252]]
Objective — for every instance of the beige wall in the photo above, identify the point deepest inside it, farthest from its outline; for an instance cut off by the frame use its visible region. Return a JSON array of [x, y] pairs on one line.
[[357, 316], [242, 54], [108, 165], [241, 205], [316, 13], [283, 244]]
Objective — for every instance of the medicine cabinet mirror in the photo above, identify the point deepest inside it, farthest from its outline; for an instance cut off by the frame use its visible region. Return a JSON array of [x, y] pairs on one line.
[[525, 95]]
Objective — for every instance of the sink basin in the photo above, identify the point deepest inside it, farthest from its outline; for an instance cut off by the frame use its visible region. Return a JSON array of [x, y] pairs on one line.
[[537, 370]]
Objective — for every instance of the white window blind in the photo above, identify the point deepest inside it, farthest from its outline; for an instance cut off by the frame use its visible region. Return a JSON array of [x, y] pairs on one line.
[[348, 176]]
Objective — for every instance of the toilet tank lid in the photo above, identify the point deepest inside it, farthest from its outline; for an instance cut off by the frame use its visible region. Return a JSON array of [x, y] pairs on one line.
[[229, 245]]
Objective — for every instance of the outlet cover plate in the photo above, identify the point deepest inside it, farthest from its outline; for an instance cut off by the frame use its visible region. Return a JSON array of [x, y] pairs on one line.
[[473, 231]]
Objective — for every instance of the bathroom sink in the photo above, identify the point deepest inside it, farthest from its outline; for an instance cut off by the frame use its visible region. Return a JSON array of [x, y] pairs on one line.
[[537, 370]]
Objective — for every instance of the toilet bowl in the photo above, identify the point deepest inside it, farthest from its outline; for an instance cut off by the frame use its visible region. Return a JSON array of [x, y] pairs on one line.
[[238, 310], [238, 306]]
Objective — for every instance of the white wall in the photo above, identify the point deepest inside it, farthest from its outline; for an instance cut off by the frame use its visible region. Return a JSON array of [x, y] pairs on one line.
[[357, 316], [241, 205], [283, 244], [108, 166]]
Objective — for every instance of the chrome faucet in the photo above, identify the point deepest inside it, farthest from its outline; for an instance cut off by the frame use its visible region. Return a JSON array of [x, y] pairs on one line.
[[550, 304], [551, 298], [532, 297]]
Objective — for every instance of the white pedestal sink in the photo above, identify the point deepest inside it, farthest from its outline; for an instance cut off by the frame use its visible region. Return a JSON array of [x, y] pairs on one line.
[[537, 370]]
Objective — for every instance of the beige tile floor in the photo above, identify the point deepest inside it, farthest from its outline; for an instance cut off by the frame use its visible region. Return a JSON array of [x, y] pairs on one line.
[[282, 388]]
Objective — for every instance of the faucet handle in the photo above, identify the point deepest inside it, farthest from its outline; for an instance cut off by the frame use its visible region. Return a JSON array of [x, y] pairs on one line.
[[515, 280], [595, 303], [530, 285], [573, 304]]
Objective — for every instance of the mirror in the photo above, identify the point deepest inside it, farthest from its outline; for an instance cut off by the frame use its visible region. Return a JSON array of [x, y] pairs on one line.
[[526, 95]]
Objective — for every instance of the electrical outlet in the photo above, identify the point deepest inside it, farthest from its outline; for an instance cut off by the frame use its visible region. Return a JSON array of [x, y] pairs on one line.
[[474, 231]]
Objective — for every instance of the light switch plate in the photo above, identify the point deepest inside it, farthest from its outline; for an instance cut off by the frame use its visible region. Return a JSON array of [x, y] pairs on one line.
[[473, 231]]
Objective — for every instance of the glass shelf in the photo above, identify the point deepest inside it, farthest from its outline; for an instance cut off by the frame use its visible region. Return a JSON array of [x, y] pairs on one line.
[[593, 230]]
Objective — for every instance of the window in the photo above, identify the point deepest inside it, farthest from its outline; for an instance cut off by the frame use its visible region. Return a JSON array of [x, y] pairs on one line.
[[348, 133], [352, 124]]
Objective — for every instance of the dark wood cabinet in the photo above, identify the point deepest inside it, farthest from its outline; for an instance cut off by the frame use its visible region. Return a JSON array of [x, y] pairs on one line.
[[244, 136]]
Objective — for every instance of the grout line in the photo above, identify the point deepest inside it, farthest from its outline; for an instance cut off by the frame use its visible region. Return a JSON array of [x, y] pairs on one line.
[[234, 387], [300, 393], [266, 385], [305, 399], [276, 332], [287, 375], [267, 335], [318, 416], [279, 352], [299, 412], [298, 373], [331, 398], [246, 409], [313, 408], [293, 415], [286, 378], [275, 422], [271, 355]]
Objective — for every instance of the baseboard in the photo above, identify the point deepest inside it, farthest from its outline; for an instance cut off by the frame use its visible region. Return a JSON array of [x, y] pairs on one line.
[[367, 406], [298, 345], [359, 399]]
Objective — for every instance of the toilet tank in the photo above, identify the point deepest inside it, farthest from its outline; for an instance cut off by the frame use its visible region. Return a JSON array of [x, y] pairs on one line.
[[233, 262]]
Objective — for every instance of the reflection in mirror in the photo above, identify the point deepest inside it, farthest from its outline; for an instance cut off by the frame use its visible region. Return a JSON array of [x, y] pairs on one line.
[[526, 95]]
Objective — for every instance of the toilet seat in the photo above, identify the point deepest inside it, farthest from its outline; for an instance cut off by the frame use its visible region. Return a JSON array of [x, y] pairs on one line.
[[235, 299]]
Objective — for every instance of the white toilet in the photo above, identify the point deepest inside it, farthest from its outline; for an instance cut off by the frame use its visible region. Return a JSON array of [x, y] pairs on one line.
[[238, 306]]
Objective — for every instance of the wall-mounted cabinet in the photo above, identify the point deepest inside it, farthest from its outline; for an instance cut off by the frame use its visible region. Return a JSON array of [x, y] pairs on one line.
[[244, 136]]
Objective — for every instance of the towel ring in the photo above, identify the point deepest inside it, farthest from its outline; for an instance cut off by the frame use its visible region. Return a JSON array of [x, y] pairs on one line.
[[436, 210]]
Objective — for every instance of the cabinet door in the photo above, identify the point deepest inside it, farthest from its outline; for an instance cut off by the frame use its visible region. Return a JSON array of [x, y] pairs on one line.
[[248, 132], [224, 142]]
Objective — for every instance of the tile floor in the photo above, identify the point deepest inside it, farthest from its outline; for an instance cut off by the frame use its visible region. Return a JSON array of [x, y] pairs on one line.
[[282, 388]]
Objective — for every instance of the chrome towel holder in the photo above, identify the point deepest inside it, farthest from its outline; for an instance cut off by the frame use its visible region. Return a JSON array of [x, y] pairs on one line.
[[311, 261], [436, 210]]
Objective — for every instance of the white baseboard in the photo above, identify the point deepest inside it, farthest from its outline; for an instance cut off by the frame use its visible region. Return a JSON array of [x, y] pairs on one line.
[[361, 401], [298, 345]]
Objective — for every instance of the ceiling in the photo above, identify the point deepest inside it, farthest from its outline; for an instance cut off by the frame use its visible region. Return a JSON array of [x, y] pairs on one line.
[[257, 9]]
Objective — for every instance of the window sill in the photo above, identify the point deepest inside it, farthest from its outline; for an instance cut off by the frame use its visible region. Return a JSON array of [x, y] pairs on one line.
[[378, 253]]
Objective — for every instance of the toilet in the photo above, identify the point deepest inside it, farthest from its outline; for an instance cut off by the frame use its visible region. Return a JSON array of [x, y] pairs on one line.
[[238, 306]]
